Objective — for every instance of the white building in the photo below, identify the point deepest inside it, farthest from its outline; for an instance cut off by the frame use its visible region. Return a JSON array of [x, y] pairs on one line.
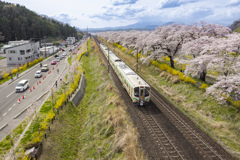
[[46, 51], [70, 40], [21, 52]]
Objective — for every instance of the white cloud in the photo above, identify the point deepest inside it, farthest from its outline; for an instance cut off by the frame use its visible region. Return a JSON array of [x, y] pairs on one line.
[[109, 13], [233, 3], [64, 17]]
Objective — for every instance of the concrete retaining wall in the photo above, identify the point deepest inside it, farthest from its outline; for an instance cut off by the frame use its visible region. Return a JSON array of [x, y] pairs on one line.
[[79, 93]]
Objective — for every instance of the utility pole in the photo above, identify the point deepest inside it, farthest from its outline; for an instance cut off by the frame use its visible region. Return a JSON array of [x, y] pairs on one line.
[[45, 50], [108, 60], [137, 61], [87, 31]]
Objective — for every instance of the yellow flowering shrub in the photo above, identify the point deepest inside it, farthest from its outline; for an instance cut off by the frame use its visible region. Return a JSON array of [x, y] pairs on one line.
[[184, 66], [50, 116], [15, 70], [236, 104], [80, 55], [165, 67], [204, 87], [43, 126], [6, 75], [36, 137]]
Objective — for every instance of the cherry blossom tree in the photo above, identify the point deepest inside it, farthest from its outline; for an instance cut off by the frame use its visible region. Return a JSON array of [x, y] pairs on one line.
[[168, 40], [227, 50], [228, 86], [198, 56]]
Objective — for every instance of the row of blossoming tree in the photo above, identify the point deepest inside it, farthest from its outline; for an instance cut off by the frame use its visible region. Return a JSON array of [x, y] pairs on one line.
[[201, 47]]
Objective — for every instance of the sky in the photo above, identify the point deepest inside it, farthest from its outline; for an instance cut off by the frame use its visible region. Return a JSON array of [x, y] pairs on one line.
[[113, 13]]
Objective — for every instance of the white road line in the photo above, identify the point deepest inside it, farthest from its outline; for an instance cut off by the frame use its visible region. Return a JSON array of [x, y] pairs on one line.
[[14, 104], [4, 114], [9, 109], [10, 94]]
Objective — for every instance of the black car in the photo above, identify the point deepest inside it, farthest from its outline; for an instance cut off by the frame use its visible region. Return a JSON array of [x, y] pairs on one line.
[[56, 55]]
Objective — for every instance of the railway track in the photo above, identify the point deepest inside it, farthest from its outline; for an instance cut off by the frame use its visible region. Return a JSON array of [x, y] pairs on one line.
[[190, 134], [164, 144]]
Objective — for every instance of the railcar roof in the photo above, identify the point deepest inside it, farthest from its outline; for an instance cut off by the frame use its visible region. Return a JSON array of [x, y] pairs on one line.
[[128, 73], [131, 76], [114, 57]]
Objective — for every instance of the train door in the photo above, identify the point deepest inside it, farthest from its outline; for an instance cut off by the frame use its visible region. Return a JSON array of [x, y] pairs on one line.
[[142, 95]]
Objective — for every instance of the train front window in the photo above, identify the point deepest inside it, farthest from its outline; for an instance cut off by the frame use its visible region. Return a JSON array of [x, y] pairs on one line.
[[146, 93], [136, 92], [141, 92]]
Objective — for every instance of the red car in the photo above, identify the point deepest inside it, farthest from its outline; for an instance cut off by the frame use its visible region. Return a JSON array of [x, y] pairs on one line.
[[53, 62], [63, 49]]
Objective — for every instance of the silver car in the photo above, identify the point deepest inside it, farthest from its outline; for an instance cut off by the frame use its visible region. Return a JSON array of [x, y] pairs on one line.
[[38, 74], [64, 54], [57, 59]]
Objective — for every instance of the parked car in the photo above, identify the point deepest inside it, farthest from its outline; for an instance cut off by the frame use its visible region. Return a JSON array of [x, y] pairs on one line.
[[22, 85], [63, 49], [44, 68], [70, 50], [53, 62], [60, 57], [56, 55], [57, 59], [38, 74], [64, 54]]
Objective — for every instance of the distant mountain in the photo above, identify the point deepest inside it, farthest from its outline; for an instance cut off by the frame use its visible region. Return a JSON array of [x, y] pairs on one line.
[[136, 26], [235, 25]]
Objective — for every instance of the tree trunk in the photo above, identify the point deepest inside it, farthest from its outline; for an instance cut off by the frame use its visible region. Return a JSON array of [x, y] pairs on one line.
[[226, 73], [203, 76], [171, 61]]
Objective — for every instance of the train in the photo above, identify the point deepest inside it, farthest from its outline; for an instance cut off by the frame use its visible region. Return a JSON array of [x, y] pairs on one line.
[[136, 87]]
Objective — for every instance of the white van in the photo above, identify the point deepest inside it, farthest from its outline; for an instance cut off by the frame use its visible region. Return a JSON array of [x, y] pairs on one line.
[[22, 85]]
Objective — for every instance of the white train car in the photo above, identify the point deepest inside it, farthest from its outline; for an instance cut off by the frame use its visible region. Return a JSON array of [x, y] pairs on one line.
[[135, 86]]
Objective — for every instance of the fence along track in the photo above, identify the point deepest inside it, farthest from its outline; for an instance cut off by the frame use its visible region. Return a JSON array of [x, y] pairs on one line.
[[204, 150], [164, 143]]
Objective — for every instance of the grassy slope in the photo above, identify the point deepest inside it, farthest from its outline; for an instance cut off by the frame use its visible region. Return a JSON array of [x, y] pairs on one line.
[[237, 30], [98, 127], [222, 122]]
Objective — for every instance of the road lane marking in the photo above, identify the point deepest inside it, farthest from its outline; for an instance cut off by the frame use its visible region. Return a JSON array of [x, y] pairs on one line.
[[14, 104], [9, 109], [10, 94], [4, 114]]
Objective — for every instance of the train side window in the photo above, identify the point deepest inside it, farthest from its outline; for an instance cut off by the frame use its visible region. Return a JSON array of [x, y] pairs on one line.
[[136, 92]]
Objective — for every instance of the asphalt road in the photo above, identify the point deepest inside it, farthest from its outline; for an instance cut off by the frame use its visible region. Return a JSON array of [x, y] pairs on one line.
[[11, 110]]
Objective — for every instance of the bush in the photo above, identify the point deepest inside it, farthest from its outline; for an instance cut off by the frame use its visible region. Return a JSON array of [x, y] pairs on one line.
[[36, 137], [50, 116], [236, 104], [204, 87], [165, 67], [79, 57], [14, 71], [44, 126], [6, 75]]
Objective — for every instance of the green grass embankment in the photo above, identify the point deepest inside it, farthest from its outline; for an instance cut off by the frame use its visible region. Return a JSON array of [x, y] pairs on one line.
[[99, 127]]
